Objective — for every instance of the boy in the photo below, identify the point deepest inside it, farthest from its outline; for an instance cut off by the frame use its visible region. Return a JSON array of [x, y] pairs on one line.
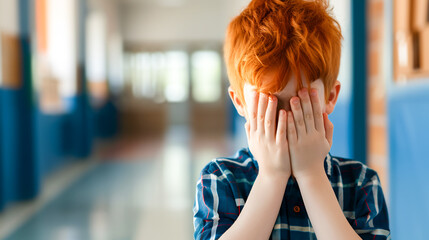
[[283, 58]]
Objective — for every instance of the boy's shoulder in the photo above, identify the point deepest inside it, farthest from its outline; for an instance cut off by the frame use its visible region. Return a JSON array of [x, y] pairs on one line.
[[241, 163], [350, 171]]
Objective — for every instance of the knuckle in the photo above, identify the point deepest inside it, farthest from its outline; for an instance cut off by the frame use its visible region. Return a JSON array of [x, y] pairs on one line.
[[308, 116], [268, 123], [261, 117], [300, 122]]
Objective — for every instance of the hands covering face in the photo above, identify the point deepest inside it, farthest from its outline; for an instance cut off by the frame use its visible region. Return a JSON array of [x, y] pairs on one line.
[[297, 143]]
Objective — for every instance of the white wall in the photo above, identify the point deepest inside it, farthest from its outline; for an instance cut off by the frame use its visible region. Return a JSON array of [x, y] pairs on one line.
[[104, 43], [96, 46], [342, 12], [114, 48], [9, 17], [62, 43], [194, 20]]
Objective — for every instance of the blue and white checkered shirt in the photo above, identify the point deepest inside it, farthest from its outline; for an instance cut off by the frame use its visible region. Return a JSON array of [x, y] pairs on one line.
[[225, 184]]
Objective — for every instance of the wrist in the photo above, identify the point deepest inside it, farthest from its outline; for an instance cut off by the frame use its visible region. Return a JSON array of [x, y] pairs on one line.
[[275, 177], [315, 175]]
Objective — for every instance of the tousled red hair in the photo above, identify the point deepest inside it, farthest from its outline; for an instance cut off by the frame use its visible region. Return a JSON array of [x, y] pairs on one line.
[[290, 37]]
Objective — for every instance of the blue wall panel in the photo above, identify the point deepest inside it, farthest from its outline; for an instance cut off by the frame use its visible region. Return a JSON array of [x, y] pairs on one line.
[[29, 184], [106, 120], [2, 178], [50, 141], [408, 114], [19, 177], [19, 171], [79, 126], [358, 115], [342, 140]]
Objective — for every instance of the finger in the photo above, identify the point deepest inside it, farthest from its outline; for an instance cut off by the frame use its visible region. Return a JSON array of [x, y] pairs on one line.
[[298, 117], [251, 98], [307, 109], [281, 128], [291, 130], [329, 128], [262, 109], [317, 110], [270, 117]]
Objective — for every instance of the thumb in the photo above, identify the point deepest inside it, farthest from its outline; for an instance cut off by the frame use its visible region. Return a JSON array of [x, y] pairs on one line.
[[329, 128]]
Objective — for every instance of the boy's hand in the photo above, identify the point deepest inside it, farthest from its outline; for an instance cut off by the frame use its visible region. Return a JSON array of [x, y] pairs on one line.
[[309, 135], [267, 142]]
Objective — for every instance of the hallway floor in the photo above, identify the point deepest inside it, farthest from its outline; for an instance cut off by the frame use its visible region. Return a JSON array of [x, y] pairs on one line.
[[135, 190]]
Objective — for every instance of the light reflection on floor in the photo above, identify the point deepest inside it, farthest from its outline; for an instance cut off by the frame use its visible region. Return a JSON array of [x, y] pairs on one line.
[[132, 194]]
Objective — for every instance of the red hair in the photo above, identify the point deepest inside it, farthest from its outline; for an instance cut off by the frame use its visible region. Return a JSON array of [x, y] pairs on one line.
[[290, 37]]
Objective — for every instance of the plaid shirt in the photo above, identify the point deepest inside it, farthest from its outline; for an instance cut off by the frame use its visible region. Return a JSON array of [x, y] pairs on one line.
[[225, 184]]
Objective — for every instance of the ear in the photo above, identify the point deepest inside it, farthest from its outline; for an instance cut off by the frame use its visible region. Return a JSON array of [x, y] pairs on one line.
[[333, 97], [238, 104]]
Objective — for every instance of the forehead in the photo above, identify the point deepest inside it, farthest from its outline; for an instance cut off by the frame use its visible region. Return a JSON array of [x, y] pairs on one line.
[[284, 96], [289, 90]]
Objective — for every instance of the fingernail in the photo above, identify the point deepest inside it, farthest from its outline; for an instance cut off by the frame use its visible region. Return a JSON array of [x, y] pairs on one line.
[[295, 100], [271, 98], [313, 92]]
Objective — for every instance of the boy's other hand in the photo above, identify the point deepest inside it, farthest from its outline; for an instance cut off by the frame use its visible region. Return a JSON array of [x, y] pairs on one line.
[[267, 142], [309, 134]]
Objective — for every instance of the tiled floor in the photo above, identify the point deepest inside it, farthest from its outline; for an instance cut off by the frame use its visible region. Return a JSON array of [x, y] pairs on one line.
[[137, 190]]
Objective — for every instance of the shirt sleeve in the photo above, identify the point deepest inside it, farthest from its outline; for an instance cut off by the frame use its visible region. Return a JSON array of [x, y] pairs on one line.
[[215, 209], [372, 221]]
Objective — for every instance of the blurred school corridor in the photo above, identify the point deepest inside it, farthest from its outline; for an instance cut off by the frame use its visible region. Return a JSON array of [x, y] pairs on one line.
[[134, 189], [109, 109]]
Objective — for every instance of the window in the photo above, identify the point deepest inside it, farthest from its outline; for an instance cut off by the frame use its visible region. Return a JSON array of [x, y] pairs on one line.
[[115, 63], [206, 76], [145, 84], [145, 74], [177, 79], [161, 76], [158, 61]]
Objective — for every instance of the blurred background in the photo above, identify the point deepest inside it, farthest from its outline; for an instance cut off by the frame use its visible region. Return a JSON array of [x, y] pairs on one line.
[[109, 109]]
